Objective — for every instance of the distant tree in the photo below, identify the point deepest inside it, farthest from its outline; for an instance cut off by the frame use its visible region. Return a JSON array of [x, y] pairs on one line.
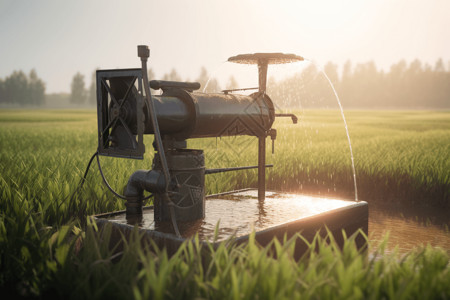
[[77, 89], [344, 89], [207, 83], [172, 76], [415, 68], [440, 88], [439, 66], [16, 88], [363, 83], [203, 78], [213, 86], [232, 83], [36, 89], [396, 82], [151, 75], [309, 91], [332, 72]]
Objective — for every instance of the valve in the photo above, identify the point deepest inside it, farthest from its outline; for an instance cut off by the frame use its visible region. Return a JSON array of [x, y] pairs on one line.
[[273, 135]]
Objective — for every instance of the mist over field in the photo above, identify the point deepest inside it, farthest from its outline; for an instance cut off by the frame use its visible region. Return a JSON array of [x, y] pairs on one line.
[[413, 85]]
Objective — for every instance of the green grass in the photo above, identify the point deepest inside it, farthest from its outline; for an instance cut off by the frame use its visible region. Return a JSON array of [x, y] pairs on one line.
[[47, 248], [93, 271]]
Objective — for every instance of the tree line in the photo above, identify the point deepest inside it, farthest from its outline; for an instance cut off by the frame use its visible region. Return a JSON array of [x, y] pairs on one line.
[[405, 85], [81, 94], [413, 85], [22, 89]]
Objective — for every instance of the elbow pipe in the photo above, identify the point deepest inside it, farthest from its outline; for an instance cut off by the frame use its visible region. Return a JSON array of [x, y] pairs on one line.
[[151, 181]]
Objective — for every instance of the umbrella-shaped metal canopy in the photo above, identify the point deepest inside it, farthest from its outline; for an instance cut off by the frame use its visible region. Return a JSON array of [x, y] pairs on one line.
[[263, 60], [269, 58]]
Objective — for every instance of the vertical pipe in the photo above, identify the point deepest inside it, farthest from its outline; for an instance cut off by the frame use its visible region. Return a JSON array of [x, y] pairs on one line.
[[262, 78], [262, 75], [261, 168]]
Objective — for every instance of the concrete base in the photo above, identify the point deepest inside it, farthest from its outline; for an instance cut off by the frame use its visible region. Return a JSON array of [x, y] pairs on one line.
[[239, 213]]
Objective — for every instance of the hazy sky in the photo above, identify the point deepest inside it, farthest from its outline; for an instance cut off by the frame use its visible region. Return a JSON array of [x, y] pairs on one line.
[[59, 38]]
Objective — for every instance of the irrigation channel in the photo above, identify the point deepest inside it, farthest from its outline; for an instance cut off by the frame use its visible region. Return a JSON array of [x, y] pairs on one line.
[[408, 228]]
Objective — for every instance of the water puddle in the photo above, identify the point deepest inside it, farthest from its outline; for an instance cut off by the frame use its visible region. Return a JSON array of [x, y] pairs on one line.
[[407, 229], [239, 214]]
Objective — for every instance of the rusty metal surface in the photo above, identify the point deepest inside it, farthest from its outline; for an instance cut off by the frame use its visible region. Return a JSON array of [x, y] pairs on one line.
[[270, 58]]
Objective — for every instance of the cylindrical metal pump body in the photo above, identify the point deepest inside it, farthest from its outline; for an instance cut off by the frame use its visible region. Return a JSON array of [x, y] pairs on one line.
[[187, 172], [182, 114]]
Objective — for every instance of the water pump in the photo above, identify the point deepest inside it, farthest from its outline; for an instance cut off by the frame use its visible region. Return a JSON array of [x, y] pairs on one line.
[[127, 111]]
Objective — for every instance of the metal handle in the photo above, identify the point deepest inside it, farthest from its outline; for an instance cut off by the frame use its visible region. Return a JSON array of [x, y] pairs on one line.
[[144, 53]]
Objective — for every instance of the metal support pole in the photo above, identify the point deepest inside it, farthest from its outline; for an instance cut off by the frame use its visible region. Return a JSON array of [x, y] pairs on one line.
[[261, 168], [262, 78], [262, 75]]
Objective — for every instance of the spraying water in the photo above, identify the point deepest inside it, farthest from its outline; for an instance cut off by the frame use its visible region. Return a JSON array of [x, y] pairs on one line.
[[346, 128], [340, 108], [212, 76]]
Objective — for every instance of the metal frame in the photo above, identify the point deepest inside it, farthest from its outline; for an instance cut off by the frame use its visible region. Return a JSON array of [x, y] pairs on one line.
[[106, 122]]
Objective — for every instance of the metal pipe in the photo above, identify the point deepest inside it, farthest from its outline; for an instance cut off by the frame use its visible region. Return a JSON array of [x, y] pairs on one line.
[[144, 53], [261, 168], [151, 181], [164, 85], [222, 170], [185, 115], [292, 116], [262, 74], [262, 78], [237, 90]]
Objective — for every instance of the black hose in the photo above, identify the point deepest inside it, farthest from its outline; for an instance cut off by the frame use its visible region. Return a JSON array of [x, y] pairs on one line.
[[109, 187], [106, 182], [83, 179], [80, 185]]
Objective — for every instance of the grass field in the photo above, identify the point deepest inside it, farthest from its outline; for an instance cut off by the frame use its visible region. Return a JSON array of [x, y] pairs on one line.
[[46, 247]]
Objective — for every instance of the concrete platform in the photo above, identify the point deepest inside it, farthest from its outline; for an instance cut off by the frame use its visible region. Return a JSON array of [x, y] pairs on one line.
[[239, 213]]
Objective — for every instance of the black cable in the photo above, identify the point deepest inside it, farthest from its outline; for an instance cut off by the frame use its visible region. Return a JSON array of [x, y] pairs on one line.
[[87, 170], [106, 182], [80, 185], [83, 179], [110, 188]]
